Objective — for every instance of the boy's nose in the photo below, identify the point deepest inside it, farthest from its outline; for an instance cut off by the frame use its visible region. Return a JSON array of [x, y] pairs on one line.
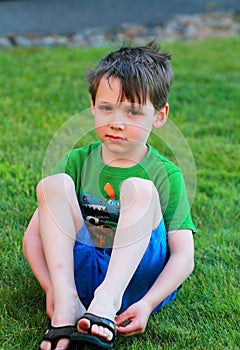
[[117, 125], [117, 121]]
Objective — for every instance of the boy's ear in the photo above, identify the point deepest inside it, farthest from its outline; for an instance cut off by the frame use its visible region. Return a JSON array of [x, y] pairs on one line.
[[161, 116]]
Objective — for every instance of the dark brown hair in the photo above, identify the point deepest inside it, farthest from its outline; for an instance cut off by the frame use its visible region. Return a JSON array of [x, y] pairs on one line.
[[143, 71]]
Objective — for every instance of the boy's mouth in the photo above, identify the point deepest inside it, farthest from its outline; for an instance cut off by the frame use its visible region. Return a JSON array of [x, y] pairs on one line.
[[115, 138]]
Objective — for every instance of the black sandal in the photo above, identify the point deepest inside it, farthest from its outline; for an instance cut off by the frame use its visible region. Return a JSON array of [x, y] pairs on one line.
[[94, 340], [54, 334]]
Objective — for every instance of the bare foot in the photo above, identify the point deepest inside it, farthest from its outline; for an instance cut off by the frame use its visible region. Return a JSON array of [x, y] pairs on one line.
[[65, 314], [101, 306], [61, 345], [100, 331]]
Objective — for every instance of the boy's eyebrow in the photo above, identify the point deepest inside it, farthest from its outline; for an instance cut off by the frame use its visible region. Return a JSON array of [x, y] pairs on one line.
[[126, 103], [103, 102]]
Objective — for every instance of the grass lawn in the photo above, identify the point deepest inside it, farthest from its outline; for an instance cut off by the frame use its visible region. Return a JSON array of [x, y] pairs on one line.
[[40, 89]]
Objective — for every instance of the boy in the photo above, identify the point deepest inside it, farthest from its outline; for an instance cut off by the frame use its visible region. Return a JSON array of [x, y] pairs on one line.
[[127, 204]]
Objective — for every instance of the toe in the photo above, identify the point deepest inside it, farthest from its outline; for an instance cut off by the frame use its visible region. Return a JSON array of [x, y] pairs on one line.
[[45, 345], [102, 332], [62, 344], [108, 334], [83, 325], [97, 326]]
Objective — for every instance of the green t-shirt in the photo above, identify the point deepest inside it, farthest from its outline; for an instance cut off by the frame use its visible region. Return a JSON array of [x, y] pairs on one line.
[[97, 188]]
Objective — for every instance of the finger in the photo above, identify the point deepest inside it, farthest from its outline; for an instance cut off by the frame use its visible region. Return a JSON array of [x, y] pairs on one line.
[[127, 328], [123, 324], [125, 317], [123, 332]]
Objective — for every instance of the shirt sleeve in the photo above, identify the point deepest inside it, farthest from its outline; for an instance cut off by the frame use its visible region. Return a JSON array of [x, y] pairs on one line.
[[62, 166], [174, 201], [71, 164]]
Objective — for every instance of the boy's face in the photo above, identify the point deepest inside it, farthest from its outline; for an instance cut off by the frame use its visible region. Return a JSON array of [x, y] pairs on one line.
[[123, 127]]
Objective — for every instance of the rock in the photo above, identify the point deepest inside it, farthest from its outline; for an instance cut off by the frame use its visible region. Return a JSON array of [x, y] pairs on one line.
[[78, 40], [181, 27], [21, 40], [49, 41], [5, 43]]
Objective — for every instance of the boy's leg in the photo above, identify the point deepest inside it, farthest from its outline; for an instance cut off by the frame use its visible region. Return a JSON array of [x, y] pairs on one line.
[[140, 213], [59, 220]]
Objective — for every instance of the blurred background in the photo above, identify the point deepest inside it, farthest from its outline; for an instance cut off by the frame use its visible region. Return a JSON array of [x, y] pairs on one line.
[[95, 22]]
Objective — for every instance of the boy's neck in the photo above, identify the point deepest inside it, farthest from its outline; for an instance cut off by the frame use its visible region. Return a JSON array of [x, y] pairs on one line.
[[123, 161]]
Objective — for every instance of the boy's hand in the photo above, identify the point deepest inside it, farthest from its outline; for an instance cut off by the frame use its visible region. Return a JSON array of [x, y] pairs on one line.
[[133, 320]]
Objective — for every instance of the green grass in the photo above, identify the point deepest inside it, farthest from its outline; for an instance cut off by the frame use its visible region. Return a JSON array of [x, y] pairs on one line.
[[40, 90]]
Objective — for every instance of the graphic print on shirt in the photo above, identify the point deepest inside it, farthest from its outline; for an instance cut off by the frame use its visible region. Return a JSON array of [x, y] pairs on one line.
[[97, 211]]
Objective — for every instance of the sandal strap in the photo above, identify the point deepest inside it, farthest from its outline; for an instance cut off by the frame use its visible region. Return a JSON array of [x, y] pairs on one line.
[[56, 333], [101, 321]]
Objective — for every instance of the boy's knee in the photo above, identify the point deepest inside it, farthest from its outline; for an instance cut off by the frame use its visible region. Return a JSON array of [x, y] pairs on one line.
[[139, 189], [54, 185]]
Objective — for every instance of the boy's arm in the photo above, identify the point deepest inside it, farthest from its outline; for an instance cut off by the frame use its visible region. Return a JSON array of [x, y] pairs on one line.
[[179, 266], [33, 252], [177, 269]]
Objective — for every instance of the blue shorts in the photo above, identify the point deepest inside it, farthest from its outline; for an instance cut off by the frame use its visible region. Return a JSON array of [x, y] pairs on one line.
[[91, 263]]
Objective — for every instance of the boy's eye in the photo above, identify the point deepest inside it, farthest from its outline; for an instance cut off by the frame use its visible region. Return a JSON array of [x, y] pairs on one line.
[[105, 108], [134, 112]]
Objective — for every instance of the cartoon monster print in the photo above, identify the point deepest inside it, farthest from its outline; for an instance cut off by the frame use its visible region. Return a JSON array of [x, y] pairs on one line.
[[97, 211]]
